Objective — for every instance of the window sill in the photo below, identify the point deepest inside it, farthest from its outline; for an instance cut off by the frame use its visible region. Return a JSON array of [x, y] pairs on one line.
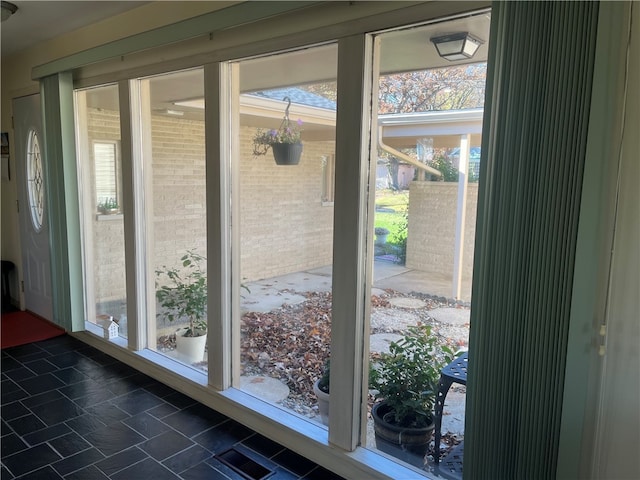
[[102, 217]]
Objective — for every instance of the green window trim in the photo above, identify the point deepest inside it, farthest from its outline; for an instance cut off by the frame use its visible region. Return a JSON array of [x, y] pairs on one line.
[[62, 198]]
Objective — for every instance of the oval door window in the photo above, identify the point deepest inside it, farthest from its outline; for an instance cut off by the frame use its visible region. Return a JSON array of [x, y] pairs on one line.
[[35, 181]]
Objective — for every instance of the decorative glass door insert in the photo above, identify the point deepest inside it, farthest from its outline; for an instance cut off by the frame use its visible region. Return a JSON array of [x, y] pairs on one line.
[[35, 181]]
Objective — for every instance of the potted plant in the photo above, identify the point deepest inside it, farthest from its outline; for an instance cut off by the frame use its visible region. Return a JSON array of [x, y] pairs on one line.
[[381, 235], [406, 380], [109, 206], [182, 294], [321, 389], [284, 142]]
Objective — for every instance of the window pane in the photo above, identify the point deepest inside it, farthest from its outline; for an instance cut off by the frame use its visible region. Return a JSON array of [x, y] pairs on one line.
[[103, 220], [429, 120], [174, 162], [286, 224], [104, 154]]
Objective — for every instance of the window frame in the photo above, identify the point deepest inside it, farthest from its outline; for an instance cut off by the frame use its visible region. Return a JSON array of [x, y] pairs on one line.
[[328, 180], [345, 430]]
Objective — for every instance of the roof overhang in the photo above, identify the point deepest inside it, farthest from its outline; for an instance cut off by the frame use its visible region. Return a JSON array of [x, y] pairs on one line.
[[403, 130], [400, 130]]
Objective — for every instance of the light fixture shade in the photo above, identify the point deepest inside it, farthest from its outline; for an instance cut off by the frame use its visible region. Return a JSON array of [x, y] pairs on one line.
[[8, 9], [457, 46]]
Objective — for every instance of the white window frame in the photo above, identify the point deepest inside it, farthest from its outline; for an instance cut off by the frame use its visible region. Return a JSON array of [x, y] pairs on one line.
[[337, 448], [328, 179]]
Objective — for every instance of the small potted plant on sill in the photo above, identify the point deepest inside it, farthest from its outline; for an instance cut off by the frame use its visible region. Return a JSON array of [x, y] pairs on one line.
[[182, 294], [406, 381], [109, 206], [284, 142]]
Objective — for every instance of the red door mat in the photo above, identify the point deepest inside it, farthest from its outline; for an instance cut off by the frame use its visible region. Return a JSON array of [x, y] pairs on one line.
[[19, 328]]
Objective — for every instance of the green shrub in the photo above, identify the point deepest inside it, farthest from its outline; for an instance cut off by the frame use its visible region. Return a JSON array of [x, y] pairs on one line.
[[407, 377]]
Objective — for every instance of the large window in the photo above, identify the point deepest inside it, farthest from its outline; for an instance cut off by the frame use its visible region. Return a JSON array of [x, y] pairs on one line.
[[320, 233], [424, 230], [98, 140], [285, 232], [173, 161]]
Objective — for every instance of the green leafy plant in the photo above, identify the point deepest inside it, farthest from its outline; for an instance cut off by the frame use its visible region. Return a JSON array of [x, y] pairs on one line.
[[323, 384], [407, 377], [182, 293], [447, 168], [399, 240], [108, 204]]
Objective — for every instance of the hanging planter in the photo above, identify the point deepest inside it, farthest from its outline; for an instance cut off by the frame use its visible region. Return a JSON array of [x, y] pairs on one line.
[[285, 141], [287, 153]]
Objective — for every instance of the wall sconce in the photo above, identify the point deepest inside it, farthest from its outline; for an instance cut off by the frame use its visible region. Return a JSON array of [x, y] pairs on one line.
[[457, 46], [8, 9]]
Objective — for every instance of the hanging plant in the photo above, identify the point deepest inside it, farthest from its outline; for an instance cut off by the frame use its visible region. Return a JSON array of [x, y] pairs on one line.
[[284, 142]]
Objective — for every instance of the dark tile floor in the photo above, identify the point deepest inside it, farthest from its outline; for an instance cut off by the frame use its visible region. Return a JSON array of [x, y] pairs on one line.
[[70, 411]]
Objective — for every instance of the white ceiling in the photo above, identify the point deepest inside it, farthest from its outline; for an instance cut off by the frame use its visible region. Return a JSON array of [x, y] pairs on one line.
[[37, 21]]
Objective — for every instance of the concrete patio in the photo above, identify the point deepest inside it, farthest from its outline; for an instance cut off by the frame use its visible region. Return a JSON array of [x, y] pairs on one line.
[[270, 294], [266, 295]]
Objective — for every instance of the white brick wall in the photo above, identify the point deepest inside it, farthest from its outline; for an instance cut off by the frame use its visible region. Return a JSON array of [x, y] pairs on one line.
[[283, 226], [432, 227], [108, 235]]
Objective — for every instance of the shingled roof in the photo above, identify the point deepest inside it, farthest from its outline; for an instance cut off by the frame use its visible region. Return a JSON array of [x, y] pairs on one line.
[[297, 95]]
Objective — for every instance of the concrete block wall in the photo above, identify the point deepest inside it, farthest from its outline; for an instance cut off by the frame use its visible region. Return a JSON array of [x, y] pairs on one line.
[[432, 227]]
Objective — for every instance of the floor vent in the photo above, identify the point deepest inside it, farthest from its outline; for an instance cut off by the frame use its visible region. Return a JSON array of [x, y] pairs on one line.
[[242, 464]]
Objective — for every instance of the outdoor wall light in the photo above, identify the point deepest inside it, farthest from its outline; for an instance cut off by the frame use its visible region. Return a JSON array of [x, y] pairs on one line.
[[457, 46], [8, 9]]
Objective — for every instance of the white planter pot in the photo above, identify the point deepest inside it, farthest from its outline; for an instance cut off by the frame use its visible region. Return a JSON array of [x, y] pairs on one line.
[[190, 349], [323, 403], [381, 239]]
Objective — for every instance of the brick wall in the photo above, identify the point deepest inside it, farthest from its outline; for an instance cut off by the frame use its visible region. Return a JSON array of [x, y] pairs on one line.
[[107, 230], [284, 227], [432, 227], [179, 195]]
